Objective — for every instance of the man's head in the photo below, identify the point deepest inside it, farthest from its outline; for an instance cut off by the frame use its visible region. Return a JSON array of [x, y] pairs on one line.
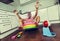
[[29, 15]]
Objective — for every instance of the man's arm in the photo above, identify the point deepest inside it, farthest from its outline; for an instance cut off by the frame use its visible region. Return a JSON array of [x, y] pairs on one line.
[[15, 11], [18, 16], [36, 6], [36, 13], [20, 19]]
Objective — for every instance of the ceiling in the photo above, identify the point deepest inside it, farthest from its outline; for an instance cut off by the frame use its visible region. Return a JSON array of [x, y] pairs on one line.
[[25, 2], [21, 2], [43, 4]]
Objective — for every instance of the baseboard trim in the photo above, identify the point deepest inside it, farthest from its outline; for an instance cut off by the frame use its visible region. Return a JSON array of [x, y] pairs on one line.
[[7, 33], [50, 22]]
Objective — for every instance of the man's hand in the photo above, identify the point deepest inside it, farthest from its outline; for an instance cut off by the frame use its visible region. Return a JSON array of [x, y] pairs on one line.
[[37, 5], [15, 11]]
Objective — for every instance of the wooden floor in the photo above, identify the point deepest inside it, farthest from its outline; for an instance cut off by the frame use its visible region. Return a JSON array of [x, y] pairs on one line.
[[36, 35]]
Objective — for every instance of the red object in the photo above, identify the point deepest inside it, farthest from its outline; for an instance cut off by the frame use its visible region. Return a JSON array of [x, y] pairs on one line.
[[20, 28], [13, 37], [45, 23]]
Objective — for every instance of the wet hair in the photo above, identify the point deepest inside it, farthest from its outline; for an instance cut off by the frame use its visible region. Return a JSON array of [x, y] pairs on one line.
[[29, 15]]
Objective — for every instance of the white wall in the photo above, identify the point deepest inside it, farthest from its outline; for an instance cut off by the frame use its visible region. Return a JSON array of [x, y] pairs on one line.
[[53, 13], [8, 21], [6, 7], [6, 12], [59, 10]]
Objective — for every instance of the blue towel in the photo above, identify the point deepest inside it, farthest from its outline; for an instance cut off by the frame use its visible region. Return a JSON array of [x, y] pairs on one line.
[[46, 31]]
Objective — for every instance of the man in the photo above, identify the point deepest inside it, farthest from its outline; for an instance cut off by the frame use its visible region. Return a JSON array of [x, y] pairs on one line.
[[29, 23]]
